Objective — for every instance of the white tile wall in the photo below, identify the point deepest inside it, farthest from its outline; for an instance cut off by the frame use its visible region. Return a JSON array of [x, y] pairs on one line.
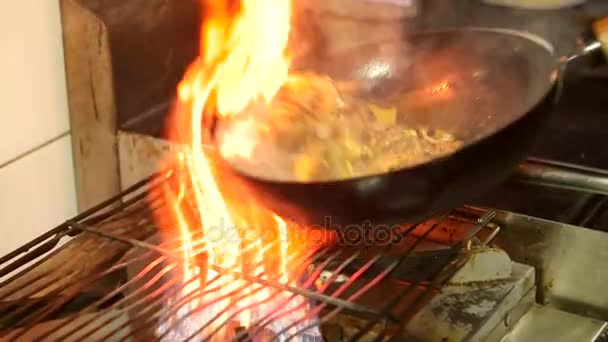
[[36, 177], [36, 193], [32, 77]]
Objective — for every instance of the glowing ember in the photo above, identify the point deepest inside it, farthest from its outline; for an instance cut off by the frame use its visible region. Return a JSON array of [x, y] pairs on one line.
[[222, 230]]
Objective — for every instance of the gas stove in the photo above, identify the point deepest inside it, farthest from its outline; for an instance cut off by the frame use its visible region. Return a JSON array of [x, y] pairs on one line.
[[524, 262], [538, 260]]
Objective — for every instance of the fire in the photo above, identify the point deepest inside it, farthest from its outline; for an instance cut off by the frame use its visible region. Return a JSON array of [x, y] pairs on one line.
[[243, 59]]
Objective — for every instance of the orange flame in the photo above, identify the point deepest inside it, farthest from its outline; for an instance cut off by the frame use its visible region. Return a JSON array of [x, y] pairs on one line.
[[243, 59]]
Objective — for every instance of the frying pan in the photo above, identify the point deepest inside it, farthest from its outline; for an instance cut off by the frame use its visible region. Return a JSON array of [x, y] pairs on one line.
[[503, 86]]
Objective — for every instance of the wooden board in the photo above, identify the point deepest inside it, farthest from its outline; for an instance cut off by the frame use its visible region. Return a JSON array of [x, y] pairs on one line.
[[91, 103], [140, 156], [123, 59]]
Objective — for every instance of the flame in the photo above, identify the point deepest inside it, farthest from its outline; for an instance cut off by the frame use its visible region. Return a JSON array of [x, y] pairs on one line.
[[243, 59], [442, 88]]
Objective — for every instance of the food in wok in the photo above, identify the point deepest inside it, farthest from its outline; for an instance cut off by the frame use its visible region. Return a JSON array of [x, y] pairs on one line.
[[318, 129]]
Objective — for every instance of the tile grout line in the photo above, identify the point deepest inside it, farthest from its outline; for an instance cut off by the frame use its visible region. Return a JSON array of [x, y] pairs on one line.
[[34, 149]]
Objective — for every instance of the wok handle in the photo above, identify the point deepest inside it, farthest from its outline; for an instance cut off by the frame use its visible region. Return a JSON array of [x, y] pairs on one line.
[[600, 28], [562, 176], [594, 41]]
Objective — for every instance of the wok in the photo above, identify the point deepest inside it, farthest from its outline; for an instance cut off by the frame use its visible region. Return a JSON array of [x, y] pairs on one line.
[[503, 86]]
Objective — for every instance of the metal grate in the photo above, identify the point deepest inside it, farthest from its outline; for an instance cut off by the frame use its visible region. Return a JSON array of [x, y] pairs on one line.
[[105, 275]]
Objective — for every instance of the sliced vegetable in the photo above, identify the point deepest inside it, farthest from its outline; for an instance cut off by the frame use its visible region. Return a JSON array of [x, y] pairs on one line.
[[304, 167], [384, 116]]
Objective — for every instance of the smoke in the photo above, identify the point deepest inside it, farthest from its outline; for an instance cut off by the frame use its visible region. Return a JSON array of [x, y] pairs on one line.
[[558, 27], [331, 25]]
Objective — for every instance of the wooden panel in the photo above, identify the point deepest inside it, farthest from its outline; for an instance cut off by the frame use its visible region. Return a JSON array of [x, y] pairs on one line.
[[140, 156], [91, 103]]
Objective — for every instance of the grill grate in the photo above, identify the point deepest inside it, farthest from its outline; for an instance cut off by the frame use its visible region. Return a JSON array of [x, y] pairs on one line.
[[105, 275]]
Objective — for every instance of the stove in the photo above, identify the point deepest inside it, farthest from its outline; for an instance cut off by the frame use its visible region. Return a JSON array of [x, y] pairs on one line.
[[524, 262]]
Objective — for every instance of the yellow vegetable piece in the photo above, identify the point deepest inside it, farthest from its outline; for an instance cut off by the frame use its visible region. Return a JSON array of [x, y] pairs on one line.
[[352, 146], [349, 169], [384, 116], [303, 167], [410, 132]]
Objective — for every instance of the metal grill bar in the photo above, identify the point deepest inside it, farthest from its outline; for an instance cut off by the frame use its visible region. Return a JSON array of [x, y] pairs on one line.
[[372, 283], [142, 282], [240, 275]]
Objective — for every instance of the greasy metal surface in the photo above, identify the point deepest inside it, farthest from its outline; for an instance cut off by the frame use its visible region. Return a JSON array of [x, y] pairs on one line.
[[546, 324], [485, 264], [571, 262], [470, 310]]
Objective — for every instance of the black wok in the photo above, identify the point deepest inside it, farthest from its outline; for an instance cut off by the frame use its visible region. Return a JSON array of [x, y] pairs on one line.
[[504, 85]]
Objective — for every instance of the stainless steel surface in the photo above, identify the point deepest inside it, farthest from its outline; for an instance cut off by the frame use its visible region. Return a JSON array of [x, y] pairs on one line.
[[546, 324], [483, 292], [470, 310], [571, 262], [562, 176]]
